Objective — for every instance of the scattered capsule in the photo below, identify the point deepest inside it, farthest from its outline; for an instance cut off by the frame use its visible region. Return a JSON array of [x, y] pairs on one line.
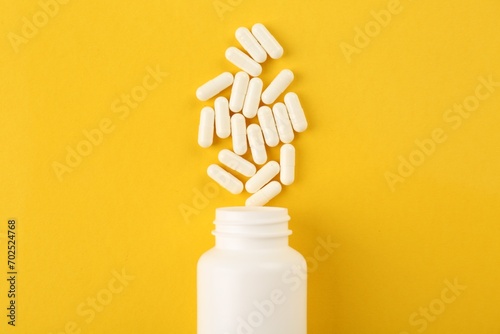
[[239, 131], [267, 40], [287, 164], [243, 61], [252, 98], [250, 44], [206, 128], [263, 176], [264, 195], [268, 126], [285, 130], [225, 179], [222, 120], [295, 112], [256, 143], [240, 86], [277, 86], [237, 163], [214, 86]]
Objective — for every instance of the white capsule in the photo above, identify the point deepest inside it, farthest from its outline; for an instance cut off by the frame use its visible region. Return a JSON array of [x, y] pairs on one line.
[[285, 130], [222, 120], [287, 164], [295, 112], [250, 44], [264, 195], [268, 42], [239, 91], [214, 86], [277, 86], [256, 143], [239, 134], [268, 126], [263, 176], [237, 163], [252, 98], [225, 179], [243, 61], [206, 127]]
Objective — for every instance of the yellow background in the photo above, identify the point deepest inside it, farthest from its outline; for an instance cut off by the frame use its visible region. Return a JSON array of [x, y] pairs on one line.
[[119, 209]]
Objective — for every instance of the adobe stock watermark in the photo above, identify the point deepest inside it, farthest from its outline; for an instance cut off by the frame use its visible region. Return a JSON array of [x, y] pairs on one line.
[[292, 279], [121, 108], [202, 197], [30, 27], [364, 36], [97, 303], [224, 6], [199, 202], [235, 166], [420, 319], [453, 118]]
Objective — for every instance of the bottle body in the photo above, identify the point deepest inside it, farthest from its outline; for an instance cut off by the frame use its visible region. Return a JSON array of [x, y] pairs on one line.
[[252, 281]]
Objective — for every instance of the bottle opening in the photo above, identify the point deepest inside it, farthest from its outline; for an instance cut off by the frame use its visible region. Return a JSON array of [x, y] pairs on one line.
[[251, 215], [251, 222]]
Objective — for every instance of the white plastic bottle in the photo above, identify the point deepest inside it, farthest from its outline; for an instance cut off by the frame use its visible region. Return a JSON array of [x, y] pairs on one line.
[[252, 282]]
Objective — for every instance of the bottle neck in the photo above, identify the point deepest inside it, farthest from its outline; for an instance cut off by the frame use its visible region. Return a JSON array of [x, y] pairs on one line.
[[251, 228], [249, 243]]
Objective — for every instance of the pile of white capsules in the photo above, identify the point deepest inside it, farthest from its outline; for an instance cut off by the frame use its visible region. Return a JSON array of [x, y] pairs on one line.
[[274, 124]]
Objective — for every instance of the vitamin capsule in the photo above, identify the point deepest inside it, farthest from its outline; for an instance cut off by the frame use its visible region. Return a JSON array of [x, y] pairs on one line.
[[268, 42], [295, 112], [263, 176], [214, 86], [222, 120], [285, 130], [256, 143], [287, 164], [239, 91], [243, 61], [264, 195], [226, 180], [206, 128], [277, 86], [239, 131], [252, 98], [250, 44], [237, 163], [268, 126]]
